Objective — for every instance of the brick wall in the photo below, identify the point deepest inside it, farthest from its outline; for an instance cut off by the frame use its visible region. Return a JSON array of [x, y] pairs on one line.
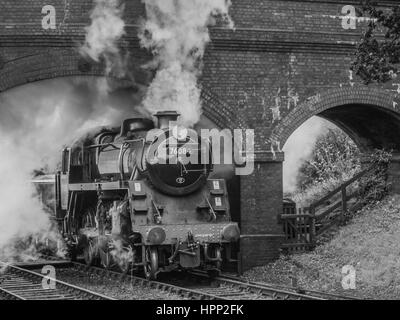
[[259, 250], [259, 76], [261, 203]]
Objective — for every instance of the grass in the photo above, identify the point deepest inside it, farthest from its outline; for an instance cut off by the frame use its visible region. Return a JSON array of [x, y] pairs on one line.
[[369, 243], [305, 198]]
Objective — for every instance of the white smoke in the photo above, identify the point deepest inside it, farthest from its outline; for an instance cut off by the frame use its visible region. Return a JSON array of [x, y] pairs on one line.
[[36, 120], [102, 35], [21, 215], [299, 148], [176, 31]]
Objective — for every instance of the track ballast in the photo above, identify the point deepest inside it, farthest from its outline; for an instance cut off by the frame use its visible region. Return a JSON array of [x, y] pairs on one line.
[[20, 284]]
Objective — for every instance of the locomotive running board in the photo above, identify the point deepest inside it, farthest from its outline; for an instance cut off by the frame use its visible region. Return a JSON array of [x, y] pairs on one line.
[[106, 185]]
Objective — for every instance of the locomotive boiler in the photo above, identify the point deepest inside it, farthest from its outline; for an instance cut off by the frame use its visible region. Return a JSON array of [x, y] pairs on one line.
[[129, 197]]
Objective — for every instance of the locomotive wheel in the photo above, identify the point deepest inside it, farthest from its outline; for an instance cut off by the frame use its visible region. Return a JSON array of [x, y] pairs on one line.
[[90, 252], [151, 263], [72, 252]]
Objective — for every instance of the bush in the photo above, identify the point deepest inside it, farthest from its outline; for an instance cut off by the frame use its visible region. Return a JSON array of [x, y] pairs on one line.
[[335, 157], [374, 186], [335, 160]]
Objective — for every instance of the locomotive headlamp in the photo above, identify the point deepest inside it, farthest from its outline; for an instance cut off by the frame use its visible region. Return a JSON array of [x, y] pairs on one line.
[[179, 133], [231, 233], [156, 235]]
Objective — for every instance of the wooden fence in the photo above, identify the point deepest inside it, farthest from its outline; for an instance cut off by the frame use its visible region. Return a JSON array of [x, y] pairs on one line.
[[303, 226], [299, 229]]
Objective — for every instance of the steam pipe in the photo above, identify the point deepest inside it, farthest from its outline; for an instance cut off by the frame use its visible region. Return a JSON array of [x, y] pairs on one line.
[[124, 148], [212, 212], [172, 258]]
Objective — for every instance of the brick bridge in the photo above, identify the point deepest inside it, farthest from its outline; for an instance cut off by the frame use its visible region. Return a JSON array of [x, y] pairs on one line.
[[285, 62]]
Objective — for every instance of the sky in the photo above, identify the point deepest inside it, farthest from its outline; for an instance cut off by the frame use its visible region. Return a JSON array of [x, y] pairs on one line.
[[299, 147]]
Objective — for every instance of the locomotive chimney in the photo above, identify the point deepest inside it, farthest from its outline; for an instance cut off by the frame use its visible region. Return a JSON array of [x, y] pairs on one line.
[[165, 117]]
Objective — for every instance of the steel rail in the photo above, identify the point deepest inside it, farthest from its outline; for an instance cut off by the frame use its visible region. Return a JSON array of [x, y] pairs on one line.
[[21, 284], [169, 288], [259, 291], [325, 295], [277, 291], [230, 287]]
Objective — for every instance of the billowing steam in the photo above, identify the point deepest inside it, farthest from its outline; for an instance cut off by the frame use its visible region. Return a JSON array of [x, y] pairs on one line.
[[176, 32], [102, 35], [299, 148], [36, 120], [21, 215]]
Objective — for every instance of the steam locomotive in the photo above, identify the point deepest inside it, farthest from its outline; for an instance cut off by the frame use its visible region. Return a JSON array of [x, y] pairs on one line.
[[125, 198]]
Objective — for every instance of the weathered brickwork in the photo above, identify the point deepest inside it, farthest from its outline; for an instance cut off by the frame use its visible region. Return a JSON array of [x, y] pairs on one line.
[[284, 62], [353, 97]]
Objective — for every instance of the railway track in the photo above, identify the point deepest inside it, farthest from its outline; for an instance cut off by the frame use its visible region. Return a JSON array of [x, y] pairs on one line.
[[187, 293], [219, 288], [237, 288], [198, 286], [233, 289], [20, 284], [314, 293]]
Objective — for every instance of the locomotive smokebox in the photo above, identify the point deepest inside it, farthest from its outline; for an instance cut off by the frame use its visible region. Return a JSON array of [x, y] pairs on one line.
[[165, 117]]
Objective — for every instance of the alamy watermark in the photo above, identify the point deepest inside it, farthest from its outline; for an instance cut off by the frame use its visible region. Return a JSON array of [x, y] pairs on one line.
[[185, 146], [49, 18], [348, 277], [49, 280]]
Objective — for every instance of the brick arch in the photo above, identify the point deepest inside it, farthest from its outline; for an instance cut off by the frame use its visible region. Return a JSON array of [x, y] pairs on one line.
[[220, 112], [42, 66], [342, 100], [66, 62]]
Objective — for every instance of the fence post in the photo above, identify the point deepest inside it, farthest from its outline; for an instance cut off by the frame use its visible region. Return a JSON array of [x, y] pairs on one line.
[[311, 211], [344, 204], [297, 223]]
